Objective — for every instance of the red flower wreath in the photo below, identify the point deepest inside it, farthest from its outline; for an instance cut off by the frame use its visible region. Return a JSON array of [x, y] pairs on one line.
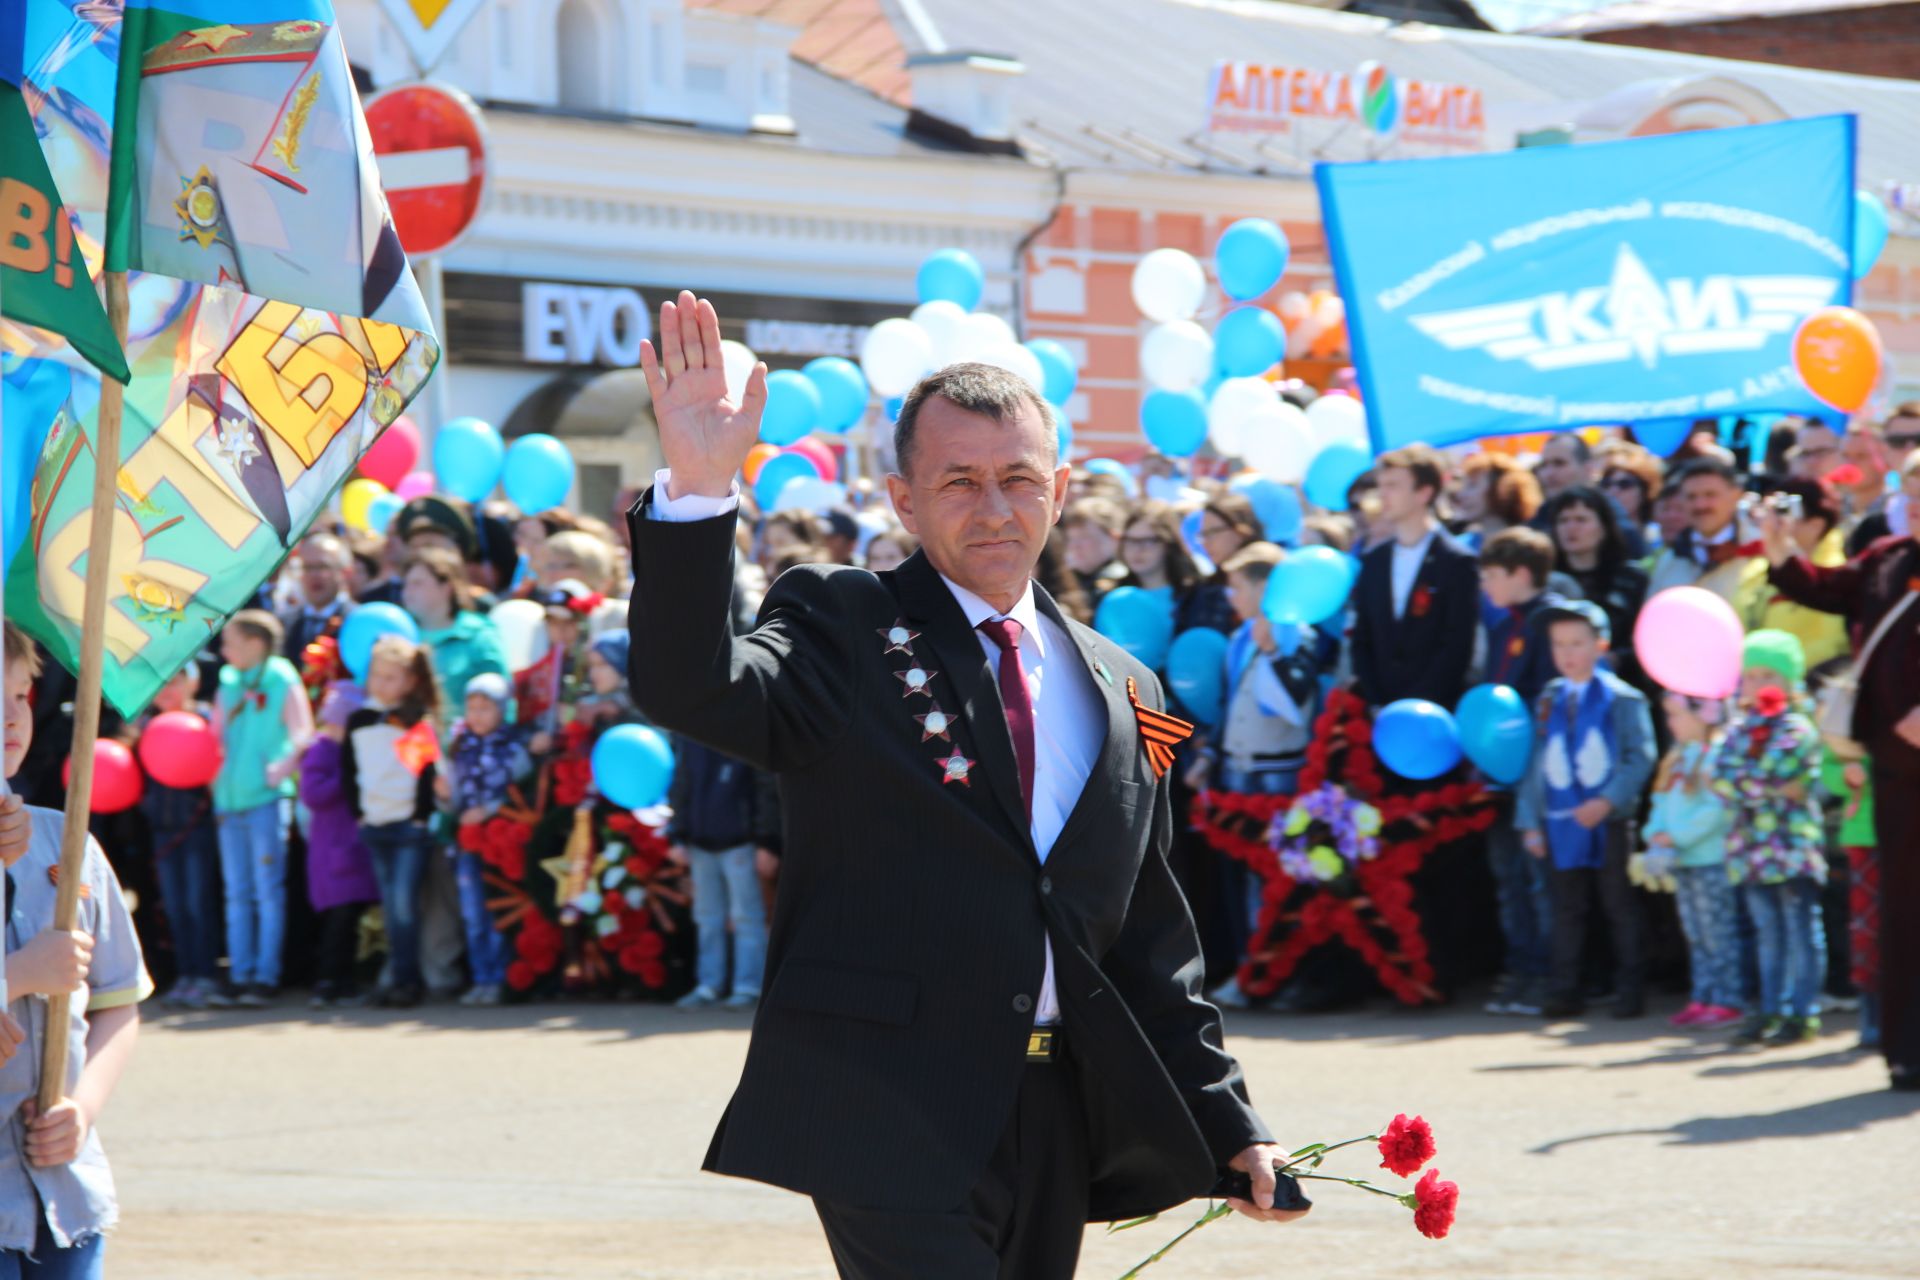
[[1375, 916]]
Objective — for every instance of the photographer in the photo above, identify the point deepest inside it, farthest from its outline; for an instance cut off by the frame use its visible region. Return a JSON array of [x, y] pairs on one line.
[[1813, 520]]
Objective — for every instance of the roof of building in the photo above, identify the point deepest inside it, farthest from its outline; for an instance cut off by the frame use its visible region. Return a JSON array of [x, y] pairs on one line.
[[1682, 13], [1130, 90], [851, 39]]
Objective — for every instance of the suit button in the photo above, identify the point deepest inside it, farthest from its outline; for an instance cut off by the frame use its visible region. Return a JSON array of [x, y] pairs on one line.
[[1046, 884], [1023, 1004]]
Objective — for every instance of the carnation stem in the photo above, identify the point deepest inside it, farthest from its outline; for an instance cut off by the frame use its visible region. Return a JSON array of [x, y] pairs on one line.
[[1218, 1211], [1325, 1151], [1352, 1182]]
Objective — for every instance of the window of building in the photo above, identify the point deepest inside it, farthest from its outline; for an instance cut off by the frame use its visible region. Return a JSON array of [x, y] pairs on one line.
[[583, 43]]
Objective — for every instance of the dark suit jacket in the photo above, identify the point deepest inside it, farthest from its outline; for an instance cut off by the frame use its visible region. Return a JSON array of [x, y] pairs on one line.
[[907, 942], [1425, 652]]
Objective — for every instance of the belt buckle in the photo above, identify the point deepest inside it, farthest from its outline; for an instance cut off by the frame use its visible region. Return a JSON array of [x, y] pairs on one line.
[[1042, 1045]]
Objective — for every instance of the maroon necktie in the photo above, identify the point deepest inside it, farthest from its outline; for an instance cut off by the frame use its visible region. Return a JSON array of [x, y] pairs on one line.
[[1015, 698]]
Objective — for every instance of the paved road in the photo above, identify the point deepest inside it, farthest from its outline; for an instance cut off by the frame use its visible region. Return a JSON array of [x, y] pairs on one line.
[[564, 1141]]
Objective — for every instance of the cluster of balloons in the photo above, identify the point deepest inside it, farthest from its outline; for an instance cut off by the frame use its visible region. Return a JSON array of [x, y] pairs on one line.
[[945, 329], [801, 477], [827, 394], [1419, 739], [633, 766], [371, 500], [1169, 287], [1837, 353]]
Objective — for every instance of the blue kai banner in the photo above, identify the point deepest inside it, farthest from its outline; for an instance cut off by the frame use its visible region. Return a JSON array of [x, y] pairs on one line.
[[1615, 282]]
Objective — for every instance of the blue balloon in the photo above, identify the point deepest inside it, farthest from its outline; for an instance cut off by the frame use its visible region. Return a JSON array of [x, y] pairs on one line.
[[367, 624], [632, 766], [1063, 432], [382, 510], [952, 275], [1109, 467], [1663, 435], [1495, 731], [538, 475], [892, 407], [1416, 738], [1869, 232], [793, 407], [1248, 341], [1333, 471], [1250, 258], [842, 389], [1190, 534], [776, 473], [1062, 375], [1309, 586], [1197, 672], [1139, 621], [467, 457], [1278, 507], [1175, 422]]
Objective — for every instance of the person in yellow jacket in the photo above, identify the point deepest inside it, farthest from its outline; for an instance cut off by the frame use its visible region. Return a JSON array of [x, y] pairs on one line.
[[1719, 550], [1823, 636]]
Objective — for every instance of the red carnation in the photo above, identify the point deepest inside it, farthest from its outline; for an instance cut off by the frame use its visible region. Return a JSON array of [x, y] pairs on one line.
[[1771, 700], [1405, 1146], [520, 975], [1434, 1205]]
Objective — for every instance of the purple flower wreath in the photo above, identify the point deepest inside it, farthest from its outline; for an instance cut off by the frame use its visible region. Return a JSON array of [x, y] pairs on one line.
[[1324, 834]]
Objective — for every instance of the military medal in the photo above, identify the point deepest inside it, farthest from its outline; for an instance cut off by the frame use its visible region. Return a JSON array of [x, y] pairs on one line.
[[935, 724], [899, 639], [1161, 732], [917, 680], [956, 768]]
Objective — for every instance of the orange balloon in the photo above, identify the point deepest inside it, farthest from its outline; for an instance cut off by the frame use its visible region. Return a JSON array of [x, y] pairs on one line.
[[1837, 354], [1331, 342], [757, 458]]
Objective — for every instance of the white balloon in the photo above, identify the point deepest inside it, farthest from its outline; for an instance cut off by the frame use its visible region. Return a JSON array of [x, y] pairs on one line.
[[810, 493], [1177, 355], [737, 362], [977, 334], [1294, 307], [896, 354], [1168, 284], [1234, 404], [1278, 443], [1332, 418], [941, 319], [522, 625], [1016, 359]]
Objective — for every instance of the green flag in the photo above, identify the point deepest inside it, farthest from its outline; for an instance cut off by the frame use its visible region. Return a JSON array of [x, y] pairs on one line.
[[43, 281]]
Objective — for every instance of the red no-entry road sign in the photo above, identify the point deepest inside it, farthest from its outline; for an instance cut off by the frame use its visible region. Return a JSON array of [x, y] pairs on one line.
[[432, 147]]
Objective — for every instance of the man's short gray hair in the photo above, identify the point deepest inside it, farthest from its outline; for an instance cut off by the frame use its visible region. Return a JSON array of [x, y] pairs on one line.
[[977, 388]]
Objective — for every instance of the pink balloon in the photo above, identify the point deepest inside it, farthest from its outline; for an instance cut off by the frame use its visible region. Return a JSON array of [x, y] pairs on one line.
[[415, 484], [393, 454], [1690, 641], [819, 454]]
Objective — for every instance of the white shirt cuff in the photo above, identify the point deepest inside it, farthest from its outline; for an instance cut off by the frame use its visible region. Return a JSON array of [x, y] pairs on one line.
[[687, 507]]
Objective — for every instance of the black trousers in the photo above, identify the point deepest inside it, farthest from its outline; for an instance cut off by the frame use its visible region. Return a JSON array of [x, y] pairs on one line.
[[339, 941], [1023, 1220], [1896, 824], [1572, 893]]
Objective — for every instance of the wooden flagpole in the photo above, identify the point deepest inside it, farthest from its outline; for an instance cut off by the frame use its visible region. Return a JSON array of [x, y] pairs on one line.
[[86, 702]]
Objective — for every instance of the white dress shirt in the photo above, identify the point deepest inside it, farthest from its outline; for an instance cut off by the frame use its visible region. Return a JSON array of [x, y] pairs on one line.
[[1406, 567], [1069, 722]]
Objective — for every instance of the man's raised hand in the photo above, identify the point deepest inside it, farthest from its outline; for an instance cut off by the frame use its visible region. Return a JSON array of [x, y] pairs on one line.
[[704, 436]]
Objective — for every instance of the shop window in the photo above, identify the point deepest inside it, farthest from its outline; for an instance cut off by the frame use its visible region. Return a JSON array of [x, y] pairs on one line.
[[583, 41]]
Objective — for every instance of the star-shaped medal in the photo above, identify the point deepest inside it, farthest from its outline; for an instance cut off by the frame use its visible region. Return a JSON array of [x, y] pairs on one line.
[[917, 680], [899, 639], [237, 446], [935, 724], [956, 768]]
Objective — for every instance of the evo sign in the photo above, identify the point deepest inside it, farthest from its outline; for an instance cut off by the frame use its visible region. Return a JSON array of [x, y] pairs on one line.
[[582, 324]]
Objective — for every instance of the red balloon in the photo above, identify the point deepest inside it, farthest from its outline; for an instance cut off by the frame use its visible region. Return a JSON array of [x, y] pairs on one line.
[[179, 749], [393, 454], [117, 784], [817, 452]]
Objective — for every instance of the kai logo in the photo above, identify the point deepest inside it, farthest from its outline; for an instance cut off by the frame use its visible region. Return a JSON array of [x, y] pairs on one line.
[[1634, 316]]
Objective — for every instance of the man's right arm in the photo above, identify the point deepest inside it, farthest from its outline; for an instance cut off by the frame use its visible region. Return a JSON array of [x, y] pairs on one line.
[[773, 697]]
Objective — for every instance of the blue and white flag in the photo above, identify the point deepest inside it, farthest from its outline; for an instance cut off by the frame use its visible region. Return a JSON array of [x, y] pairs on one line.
[[1614, 282]]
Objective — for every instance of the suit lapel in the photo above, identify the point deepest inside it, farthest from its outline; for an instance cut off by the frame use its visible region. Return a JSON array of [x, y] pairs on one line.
[[940, 620]]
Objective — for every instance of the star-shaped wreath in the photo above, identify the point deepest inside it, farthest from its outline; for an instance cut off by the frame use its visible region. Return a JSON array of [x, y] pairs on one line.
[[1336, 857]]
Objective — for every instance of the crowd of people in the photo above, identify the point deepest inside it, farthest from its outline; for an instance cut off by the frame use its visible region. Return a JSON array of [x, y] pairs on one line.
[[1729, 846]]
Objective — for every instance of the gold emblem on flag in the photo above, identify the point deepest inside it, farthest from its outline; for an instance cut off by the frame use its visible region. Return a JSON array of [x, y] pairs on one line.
[[198, 207], [287, 145]]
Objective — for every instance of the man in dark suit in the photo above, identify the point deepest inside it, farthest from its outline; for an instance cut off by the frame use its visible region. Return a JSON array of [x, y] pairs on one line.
[[982, 1024], [1417, 604]]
